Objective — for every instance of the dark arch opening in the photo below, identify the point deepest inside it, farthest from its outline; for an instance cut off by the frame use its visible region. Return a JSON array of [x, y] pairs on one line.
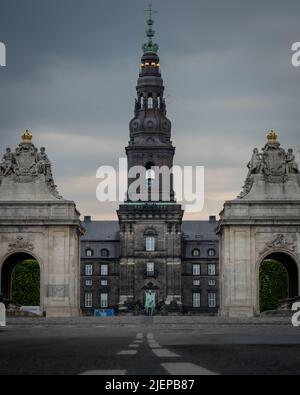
[[13, 268], [283, 281]]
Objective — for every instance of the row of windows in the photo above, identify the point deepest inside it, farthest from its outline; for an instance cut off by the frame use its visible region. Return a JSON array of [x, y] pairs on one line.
[[88, 300], [196, 252], [211, 269], [89, 283], [90, 253], [212, 300], [103, 270], [197, 283]]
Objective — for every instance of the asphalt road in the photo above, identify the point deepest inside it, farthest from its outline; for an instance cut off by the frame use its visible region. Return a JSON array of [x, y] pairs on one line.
[[149, 346]]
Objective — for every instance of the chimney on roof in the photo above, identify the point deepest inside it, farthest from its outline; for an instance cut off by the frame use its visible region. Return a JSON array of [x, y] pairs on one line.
[[87, 218], [212, 218]]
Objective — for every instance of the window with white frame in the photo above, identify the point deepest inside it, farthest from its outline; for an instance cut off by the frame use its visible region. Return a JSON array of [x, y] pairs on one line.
[[88, 300], [211, 252], [103, 300], [89, 252], [212, 283], [88, 270], [196, 270], [196, 299], [103, 283], [212, 300], [196, 283], [150, 268], [196, 252], [150, 243], [104, 270], [211, 269], [88, 283]]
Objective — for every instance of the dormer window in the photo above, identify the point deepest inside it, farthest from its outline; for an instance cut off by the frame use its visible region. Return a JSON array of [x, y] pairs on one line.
[[89, 252], [104, 252], [196, 253]]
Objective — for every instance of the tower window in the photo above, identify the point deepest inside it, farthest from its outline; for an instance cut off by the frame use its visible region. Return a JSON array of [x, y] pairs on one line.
[[150, 268], [150, 102], [150, 243]]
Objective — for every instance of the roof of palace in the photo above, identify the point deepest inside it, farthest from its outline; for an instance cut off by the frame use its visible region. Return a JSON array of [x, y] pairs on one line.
[[109, 230]]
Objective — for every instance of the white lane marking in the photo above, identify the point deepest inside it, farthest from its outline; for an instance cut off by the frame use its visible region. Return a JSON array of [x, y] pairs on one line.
[[134, 345], [138, 341], [104, 373], [127, 352], [164, 353], [154, 344], [186, 368], [140, 336], [150, 336]]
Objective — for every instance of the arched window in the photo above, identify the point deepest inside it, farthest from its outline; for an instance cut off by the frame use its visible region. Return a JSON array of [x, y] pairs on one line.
[[196, 252], [211, 252], [150, 243], [158, 101], [150, 174], [142, 102], [89, 252], [104, 252], [150, 102]]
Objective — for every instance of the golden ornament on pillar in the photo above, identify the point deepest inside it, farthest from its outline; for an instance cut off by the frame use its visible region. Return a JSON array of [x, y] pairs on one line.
[[272, 137], [27, 137]]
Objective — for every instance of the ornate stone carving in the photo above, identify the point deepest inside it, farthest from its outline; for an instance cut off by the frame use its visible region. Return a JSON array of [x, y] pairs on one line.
[[20, 244], [27, 164], [274, 164], [280, 242]]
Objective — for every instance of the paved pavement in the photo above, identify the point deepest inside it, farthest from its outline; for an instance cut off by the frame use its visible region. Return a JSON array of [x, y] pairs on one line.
[[149, 346]]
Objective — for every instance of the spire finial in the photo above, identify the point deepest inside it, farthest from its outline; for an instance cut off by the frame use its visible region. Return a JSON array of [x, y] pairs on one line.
[[150, 46]]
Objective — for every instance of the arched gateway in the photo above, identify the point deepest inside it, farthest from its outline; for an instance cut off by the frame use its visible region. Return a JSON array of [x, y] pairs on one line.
[[262, 223], [37, 223]]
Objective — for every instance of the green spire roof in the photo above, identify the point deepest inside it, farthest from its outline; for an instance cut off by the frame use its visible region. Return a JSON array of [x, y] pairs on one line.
[[150, 46]]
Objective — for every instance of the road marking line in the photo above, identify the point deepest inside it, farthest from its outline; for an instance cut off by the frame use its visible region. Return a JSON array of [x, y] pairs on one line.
[[154, 345], [138, 341], [164, 353], [134, 345], [185, 368], [140, 336], [150, 336], [104, 373], [127, 352]]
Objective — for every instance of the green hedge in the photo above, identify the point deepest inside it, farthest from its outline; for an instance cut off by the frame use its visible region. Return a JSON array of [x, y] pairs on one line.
[[26, 283], [273, 280]]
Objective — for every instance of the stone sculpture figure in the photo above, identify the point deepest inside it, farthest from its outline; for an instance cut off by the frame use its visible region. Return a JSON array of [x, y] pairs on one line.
[[291, 165], [255, 163], [7, 165], [43, 163], [273, 164]]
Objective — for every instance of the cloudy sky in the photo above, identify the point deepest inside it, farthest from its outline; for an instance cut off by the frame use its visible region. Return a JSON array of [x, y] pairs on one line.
[[72, 67]]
